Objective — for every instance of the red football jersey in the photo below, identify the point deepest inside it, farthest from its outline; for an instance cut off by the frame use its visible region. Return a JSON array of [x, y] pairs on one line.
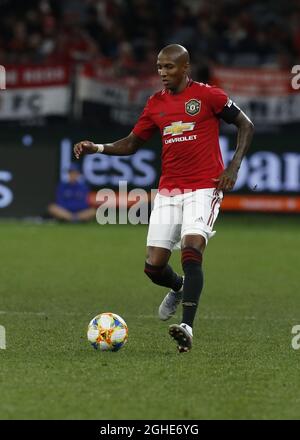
[[189, 127]]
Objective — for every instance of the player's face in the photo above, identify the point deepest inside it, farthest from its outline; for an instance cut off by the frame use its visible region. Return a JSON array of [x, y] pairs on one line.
[[171, 72]]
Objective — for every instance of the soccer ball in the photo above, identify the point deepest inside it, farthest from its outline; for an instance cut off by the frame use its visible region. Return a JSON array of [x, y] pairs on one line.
[[107, 332]]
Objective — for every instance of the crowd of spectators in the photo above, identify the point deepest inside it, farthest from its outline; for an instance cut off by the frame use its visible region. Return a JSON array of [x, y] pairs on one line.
[[127, 34]]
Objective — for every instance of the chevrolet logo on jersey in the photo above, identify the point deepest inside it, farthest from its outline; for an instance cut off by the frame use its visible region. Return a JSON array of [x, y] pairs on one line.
[[178, 127]]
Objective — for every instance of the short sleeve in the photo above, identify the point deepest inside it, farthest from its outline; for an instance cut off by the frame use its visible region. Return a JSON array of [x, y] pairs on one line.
[[217, 99], [145, 127]]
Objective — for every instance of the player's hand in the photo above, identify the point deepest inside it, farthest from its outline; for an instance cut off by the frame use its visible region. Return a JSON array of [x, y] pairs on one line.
[[227, 179], [84, 147]]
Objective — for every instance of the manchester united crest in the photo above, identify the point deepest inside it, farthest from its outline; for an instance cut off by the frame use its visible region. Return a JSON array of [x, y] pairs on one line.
[[192, 107]]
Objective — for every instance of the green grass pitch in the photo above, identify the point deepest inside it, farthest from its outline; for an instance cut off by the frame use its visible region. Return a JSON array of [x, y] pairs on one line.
[[55, 278]]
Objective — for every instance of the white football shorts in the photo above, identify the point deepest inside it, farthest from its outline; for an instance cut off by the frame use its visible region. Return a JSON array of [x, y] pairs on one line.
[[191, 213]]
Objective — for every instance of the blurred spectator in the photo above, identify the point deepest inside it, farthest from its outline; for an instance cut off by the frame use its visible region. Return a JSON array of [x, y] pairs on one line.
[[72, 199]]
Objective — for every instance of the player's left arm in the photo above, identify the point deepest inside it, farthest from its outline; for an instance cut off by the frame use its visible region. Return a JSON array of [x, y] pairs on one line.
[[245, 127]]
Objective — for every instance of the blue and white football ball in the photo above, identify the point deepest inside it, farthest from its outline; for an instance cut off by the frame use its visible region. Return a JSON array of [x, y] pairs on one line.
[[107, 332]]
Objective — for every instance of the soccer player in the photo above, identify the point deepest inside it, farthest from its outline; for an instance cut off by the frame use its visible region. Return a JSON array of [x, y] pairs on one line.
[[192, 182]]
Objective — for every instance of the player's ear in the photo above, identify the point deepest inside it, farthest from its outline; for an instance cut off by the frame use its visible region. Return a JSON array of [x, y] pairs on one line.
[[187, 68]]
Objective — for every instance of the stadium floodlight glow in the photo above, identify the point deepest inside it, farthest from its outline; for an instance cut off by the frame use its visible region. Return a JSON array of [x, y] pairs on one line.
[[2, 78]]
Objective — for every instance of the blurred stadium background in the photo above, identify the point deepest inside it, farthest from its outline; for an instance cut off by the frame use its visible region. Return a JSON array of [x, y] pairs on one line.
[[83, 69]]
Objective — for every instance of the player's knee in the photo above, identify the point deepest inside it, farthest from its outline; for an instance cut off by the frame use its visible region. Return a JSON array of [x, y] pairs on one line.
[[154, 272], [190, 256], [197, 242]]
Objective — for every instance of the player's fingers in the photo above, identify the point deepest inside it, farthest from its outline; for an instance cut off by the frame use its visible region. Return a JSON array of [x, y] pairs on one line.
[[229, 185], [221, 184], [77, 150], [225, 183]]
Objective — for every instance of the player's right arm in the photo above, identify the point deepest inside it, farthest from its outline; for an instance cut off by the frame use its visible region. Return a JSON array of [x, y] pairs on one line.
[[123, 147], [141, 132]]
